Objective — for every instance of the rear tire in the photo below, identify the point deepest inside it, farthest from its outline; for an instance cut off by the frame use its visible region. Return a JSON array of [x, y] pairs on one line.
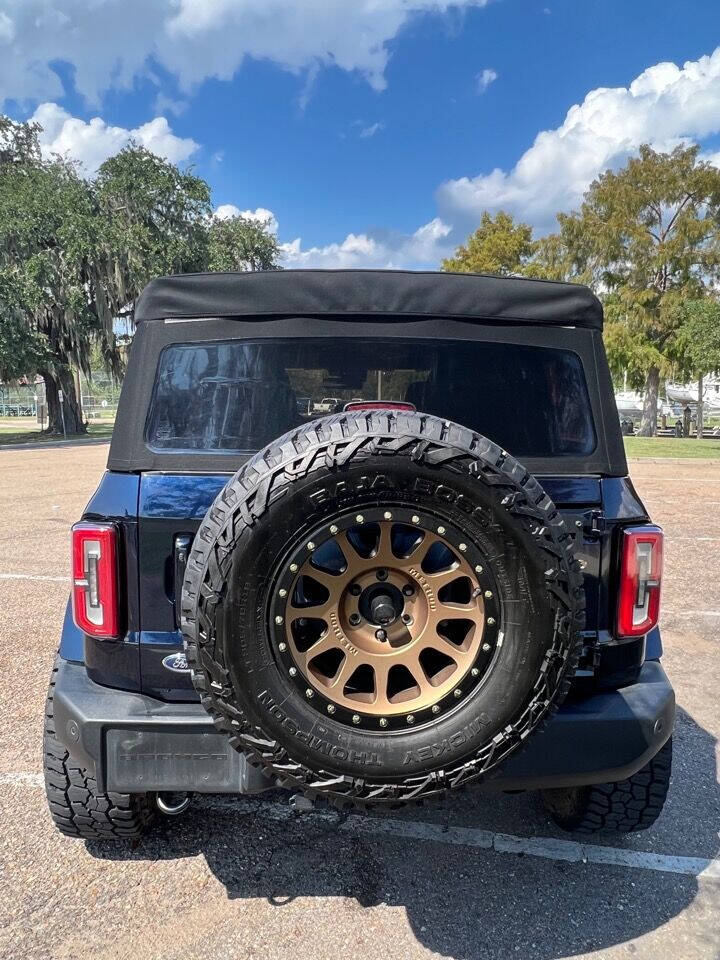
[[77, 808], [623, 807]]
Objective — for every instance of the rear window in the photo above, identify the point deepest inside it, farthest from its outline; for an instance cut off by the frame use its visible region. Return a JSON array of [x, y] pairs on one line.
[[238, 395]]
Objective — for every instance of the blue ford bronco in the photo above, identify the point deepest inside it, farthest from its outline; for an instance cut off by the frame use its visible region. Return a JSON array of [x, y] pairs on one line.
[[367, 536]]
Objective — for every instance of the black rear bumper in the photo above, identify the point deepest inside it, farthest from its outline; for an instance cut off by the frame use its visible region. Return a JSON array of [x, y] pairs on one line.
[[136, 743]]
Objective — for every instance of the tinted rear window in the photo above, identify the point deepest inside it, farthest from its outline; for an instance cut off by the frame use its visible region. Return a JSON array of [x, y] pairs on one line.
[[238, 395]]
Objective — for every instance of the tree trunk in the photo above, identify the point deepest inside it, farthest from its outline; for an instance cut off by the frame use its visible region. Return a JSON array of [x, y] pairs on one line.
[[648, 424], [55, 381], [700, 411]]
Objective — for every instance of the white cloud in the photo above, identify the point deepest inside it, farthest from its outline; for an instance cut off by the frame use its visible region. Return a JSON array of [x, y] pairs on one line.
[[92, 142], [665, 105], [227, 210], [165, 104], [485, 78], [371, 130], [423, 248], [7, 28], [193, 40]]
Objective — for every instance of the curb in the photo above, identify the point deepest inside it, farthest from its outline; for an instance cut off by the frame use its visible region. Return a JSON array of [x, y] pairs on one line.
[[44, 444]]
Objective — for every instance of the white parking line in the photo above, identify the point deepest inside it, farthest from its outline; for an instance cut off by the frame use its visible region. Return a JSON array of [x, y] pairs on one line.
[[686, 480], [690, 613], [29, 576], [693, 539], [16, 779], [547, 848]]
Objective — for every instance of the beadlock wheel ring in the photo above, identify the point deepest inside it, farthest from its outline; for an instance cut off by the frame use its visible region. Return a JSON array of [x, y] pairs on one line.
[[437, 650]]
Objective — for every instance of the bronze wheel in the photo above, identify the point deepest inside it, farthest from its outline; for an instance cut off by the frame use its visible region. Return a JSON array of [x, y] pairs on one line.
[[385, 618]]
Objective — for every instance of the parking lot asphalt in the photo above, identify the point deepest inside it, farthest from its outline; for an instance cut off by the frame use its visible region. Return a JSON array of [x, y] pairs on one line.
[[485, 876]]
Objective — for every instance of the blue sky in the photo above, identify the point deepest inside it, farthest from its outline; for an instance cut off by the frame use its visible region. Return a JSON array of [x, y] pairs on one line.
[[373, 133]]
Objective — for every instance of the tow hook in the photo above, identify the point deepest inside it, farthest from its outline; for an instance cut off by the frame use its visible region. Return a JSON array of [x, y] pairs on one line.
[[173, 804]]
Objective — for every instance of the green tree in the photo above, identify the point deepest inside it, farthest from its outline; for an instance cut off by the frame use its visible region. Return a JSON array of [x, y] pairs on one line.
[[23, 350], [154, 221], [239, 243], [647, 239], [74, 254], [499, 245], [698, 345], [51, 265]]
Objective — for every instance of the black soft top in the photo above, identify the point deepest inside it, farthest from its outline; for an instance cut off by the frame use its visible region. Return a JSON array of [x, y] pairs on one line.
[[382, 293]]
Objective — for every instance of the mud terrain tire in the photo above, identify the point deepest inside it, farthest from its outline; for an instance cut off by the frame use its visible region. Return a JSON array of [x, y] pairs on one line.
[[76, 806], [622, 807], [359, 467]]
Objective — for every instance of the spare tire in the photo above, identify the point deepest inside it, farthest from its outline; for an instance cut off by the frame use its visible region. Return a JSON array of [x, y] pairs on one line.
[[380, 606]]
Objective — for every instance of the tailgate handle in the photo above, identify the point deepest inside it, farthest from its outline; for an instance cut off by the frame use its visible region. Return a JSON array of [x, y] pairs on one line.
[[181, 553]]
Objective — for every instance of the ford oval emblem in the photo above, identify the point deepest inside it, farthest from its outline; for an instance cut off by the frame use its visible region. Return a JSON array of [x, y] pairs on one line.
[[177, 662]]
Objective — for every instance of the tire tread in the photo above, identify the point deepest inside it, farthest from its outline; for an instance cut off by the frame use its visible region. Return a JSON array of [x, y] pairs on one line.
[[76, 806]]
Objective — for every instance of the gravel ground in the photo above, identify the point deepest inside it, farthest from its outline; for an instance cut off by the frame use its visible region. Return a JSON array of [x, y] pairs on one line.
[[243, 879]]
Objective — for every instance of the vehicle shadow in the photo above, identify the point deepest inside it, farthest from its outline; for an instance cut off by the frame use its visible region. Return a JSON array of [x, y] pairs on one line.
[[461, 902]]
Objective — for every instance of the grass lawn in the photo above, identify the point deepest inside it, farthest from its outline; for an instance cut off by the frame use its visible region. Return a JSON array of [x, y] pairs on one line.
[[672, 447], [26, 430]]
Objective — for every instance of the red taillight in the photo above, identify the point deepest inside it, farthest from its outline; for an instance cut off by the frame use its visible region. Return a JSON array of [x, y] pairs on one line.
[[640, 578], [94, 579], [379, 405]]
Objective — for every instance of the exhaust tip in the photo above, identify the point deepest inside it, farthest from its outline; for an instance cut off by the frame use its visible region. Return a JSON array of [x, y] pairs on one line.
[[173, 804]]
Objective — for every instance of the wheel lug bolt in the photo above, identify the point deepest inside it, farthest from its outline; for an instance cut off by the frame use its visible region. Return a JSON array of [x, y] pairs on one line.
[[330, 708], [359, 518], [309, 693], [380, 635], [381, 574], [354, 619], [474, 671], [408, 590], [478, 569], [415, 518], [387, 515], [383, 722], [356, 718], [410, 718], [491, 621], [441, 530], [486, 647], [436, 708], [311, 545], [293, 567], [282, 647], [458, 693], [463, 547], [488, 594], [355, 589], [333, 528], [278, 620], [292, 671]]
